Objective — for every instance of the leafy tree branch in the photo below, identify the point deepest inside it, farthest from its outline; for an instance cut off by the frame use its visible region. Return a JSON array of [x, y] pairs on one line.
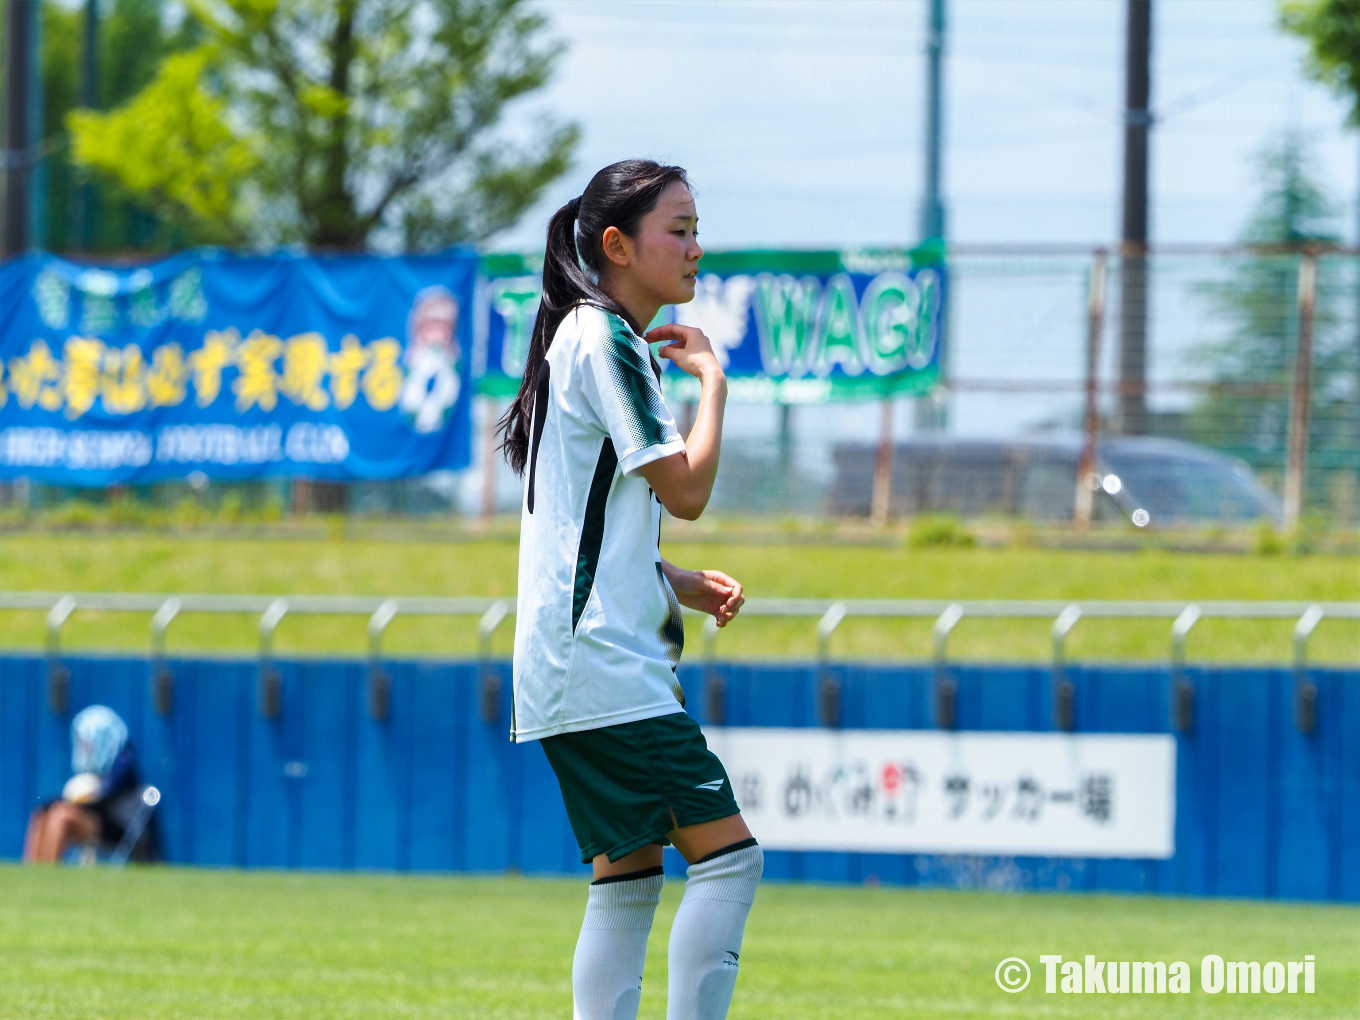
[[328, 121]]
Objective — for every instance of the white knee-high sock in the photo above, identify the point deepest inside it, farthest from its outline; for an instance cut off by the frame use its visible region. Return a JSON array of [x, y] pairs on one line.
[[606, 973], [706, 937]]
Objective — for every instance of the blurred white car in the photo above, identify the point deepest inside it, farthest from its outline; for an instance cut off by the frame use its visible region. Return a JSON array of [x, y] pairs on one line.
[[1145, 479]]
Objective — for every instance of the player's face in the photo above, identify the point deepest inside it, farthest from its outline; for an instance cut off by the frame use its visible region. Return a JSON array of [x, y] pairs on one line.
[[667, 247]]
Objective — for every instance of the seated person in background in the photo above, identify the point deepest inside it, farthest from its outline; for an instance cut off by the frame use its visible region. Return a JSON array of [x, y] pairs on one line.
[[99, 801]]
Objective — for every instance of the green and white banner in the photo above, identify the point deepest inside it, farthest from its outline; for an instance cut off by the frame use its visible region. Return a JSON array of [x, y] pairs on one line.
[[789, 327]]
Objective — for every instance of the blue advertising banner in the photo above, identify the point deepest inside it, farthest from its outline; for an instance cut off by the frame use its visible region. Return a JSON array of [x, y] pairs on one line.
[[789, 327], [238, 367]]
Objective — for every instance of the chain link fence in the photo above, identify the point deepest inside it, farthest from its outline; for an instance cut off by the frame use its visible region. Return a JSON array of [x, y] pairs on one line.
[[1197, 395], [1181, 388]]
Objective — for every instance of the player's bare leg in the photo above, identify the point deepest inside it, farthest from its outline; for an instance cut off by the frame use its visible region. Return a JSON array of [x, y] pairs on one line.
[[63, 825], [698, 841], [639, 860], [33, 834]]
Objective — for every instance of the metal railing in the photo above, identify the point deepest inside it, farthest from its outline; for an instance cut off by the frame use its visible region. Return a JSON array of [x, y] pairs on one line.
[[829, 614], [1065, 616]]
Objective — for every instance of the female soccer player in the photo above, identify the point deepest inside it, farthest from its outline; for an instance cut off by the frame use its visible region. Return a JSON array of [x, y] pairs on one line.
[[599, 631]]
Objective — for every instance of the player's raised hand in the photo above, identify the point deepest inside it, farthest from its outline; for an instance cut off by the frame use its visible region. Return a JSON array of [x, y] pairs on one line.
[[688, 348], [711, 592]]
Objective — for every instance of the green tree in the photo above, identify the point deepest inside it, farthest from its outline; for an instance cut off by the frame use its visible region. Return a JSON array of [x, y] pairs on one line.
[[1246, 409], [336, 122], [59, 32], [170, 146], [133, 38], [1332, 30]]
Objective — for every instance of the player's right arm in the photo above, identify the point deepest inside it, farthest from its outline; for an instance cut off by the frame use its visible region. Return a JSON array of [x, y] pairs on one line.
[[684, 481]]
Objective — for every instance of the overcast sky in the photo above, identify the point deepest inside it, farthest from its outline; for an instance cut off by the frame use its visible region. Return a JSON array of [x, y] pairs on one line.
[[802, 122]]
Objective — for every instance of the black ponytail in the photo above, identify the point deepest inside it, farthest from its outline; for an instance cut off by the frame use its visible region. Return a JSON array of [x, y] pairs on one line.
[[618, 196]]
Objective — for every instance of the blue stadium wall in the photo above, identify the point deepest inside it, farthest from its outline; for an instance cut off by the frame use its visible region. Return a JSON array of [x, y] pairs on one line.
[[1262, 810]]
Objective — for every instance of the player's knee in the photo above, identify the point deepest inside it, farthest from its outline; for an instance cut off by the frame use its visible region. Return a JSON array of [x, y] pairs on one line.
[[62, 813], [58, 820], [71, 821]]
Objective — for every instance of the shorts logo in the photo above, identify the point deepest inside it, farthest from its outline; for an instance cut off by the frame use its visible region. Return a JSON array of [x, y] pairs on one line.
[[714, 785]]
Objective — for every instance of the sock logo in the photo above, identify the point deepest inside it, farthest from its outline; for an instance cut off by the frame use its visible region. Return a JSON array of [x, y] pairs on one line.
[[732, 962], [714, 785]]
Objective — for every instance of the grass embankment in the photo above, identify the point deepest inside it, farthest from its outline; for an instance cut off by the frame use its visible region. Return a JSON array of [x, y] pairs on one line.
[[151, 943], [322, 565]]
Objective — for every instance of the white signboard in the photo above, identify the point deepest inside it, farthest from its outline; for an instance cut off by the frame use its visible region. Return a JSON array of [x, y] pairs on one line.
[[924, 791]]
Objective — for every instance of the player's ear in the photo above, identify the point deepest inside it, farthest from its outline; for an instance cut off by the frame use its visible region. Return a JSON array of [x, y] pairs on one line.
[[617, 246]]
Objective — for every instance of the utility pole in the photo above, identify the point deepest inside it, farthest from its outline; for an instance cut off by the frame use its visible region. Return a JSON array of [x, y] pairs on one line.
[[1133, 417], [785, 450], [86, 212], [1296, 453], [20, 57], [1087, 480], [932, 209], [930, 412], [880, 499], [1355, 263]]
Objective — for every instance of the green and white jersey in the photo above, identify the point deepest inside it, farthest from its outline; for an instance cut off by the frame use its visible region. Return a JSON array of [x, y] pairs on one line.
[[598, 632]]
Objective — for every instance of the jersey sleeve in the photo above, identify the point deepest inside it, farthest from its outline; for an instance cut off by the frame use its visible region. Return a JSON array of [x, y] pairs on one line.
[[623, 392]]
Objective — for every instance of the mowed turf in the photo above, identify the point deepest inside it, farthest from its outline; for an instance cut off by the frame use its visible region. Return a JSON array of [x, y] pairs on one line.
[[149, 943], [487, 567]]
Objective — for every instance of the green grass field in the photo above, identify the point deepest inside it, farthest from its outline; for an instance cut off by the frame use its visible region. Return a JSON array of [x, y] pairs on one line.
[[331, 565], [149, 943]]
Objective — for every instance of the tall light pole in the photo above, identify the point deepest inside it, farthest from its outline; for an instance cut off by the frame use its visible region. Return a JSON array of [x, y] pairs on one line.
[[932, 208], [931, 412], [21, 25], [89, 98], [1133, 416]]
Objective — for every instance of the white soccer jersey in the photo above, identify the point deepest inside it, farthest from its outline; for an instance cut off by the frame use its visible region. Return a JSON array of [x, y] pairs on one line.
[[599, 630]]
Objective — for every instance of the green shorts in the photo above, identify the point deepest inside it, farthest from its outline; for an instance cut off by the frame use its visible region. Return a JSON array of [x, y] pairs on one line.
[[621, 784]]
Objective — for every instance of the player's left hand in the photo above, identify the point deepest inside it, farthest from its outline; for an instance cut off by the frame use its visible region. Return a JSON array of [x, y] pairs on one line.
[[709, 591]]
